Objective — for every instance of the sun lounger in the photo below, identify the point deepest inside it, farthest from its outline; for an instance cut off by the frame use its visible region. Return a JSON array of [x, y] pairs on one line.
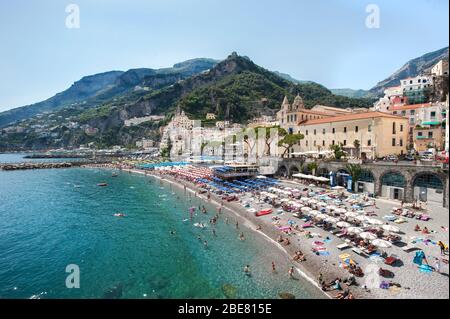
[[343, 246], [409, 247], [359, 252]]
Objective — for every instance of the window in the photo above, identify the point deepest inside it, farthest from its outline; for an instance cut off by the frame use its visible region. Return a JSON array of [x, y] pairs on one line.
[[306, 143], [430, 134], [315, 131], [369, 142], [419, 134], [345, 142], [393, 141], [401, 142], [306, 133], [356, 129], [314, 143], [295, 117], [395, 112], [323, 143], [323, 131], [403, 113], [393, 128], [412, 112], [334, 130], [401, 127], [345, 129], [369, 128], [433, 114]]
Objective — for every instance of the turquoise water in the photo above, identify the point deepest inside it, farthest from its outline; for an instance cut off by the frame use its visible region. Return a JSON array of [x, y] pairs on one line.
[[52, 218], [19, 158]]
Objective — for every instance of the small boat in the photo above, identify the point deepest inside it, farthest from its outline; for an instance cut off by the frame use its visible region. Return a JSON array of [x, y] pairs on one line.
[[264, 212], [102, 184], [201, 225], [119, 215], [114, 175]]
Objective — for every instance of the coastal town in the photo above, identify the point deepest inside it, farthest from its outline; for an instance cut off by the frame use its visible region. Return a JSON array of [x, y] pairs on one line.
[[356, 198]]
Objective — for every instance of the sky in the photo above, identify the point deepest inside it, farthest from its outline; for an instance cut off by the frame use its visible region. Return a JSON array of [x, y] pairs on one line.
[[326, 41]]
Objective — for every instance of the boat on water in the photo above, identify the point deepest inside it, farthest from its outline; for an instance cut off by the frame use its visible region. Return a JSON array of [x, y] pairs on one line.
[[264, 212], [114, 175], [102, 184]]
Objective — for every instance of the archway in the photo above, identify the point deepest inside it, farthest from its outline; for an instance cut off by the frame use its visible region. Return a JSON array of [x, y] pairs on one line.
[[282, 171], [323, 171], [342, 176], [293, 170], [393, 185], [428, 187], [366, 182]]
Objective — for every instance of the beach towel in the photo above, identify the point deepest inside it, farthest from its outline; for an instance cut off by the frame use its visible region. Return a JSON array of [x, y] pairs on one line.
[[318, 243], [418, 258], [327, 241], [425, 269], [324, 253]]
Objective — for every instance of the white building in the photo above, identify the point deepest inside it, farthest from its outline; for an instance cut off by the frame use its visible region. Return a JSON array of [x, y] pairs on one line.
[[139, 120], [440, 68]]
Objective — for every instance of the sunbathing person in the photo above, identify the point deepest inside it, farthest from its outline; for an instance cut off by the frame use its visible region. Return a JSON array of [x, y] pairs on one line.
[[351, 280], [280, 239], [425, 230], [417, 228], [342, 295]]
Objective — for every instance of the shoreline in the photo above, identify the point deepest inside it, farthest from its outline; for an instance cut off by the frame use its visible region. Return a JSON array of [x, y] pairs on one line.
[[304, 273]]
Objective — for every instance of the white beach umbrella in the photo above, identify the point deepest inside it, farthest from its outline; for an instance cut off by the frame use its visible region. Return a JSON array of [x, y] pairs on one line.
[[305, 209], [304, 199], [374, 221], [362, 218], [331, 207], [391, 228], [343, 224], [312, 201], [251, 210], [351, 214], [354, 230], [340, 210], [381, 243], [368, 235], [313, 213], [321, 204], [322, 216], [331, 220]]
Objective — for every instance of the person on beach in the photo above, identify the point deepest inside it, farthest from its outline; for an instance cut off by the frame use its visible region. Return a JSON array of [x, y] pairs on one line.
[[437, 265], [258, 227], [291, 272], [442, 246], [321, 281], [226, 220], [237, 225], [274, 270]]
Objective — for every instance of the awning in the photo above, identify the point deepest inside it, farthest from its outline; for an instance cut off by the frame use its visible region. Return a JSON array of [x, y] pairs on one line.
[[431, 123]]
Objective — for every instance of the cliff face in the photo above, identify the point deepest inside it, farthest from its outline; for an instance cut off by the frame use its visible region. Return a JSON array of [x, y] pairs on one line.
[[410, 69]]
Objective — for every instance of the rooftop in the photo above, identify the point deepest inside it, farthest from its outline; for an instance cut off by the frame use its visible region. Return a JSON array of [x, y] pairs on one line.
[[410, 106], [352, 117]]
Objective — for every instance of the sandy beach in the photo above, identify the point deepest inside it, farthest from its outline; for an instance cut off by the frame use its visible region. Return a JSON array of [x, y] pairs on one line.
[[412, 283]]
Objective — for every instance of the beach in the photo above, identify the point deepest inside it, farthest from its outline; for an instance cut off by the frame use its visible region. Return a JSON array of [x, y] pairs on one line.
[[411, 282]]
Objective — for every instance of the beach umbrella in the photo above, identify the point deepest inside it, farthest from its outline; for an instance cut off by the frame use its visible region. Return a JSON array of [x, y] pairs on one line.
[[313, 213], [381, 243], [305, 209], [343, 224], [331, 220], [340, 210], [351, 214], [361, 211], [391, 228], [354, 230], [374, 221], [312, 201], [322, 204], [322, 216], [331, 207], [368, 235], [361, 218]]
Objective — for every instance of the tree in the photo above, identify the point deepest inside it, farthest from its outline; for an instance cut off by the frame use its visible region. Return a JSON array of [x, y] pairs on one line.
[[337, 151], [289, 140], [357, 146], [312, 167], [355, 172]]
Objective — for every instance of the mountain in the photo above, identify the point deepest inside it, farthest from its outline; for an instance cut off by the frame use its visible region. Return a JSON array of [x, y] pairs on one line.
[[290, 78], [83, 89], [412, 68], [353, 93], [95, 89], [235, 89]]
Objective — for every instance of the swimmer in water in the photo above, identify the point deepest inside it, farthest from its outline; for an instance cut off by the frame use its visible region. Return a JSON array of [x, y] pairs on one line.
[[241, 236], [237, 225], [205, 243], [247, 270], [214, 232], [291, 272]]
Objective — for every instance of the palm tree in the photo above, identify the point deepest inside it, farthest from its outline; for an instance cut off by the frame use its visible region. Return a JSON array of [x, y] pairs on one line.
[[355, 172], [312, 167]]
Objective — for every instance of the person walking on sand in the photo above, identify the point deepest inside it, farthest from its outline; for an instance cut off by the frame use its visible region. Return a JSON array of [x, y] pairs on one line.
[[237, 225], [291, 272], [437, 265]]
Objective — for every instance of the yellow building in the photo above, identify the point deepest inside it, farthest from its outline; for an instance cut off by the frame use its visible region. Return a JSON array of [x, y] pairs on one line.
[[379, 134]]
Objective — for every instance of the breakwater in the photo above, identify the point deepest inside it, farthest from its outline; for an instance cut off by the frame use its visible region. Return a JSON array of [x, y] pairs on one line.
[[45, 165]]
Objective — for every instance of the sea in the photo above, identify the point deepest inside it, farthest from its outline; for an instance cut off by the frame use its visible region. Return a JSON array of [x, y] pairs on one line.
[[60, 238]]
